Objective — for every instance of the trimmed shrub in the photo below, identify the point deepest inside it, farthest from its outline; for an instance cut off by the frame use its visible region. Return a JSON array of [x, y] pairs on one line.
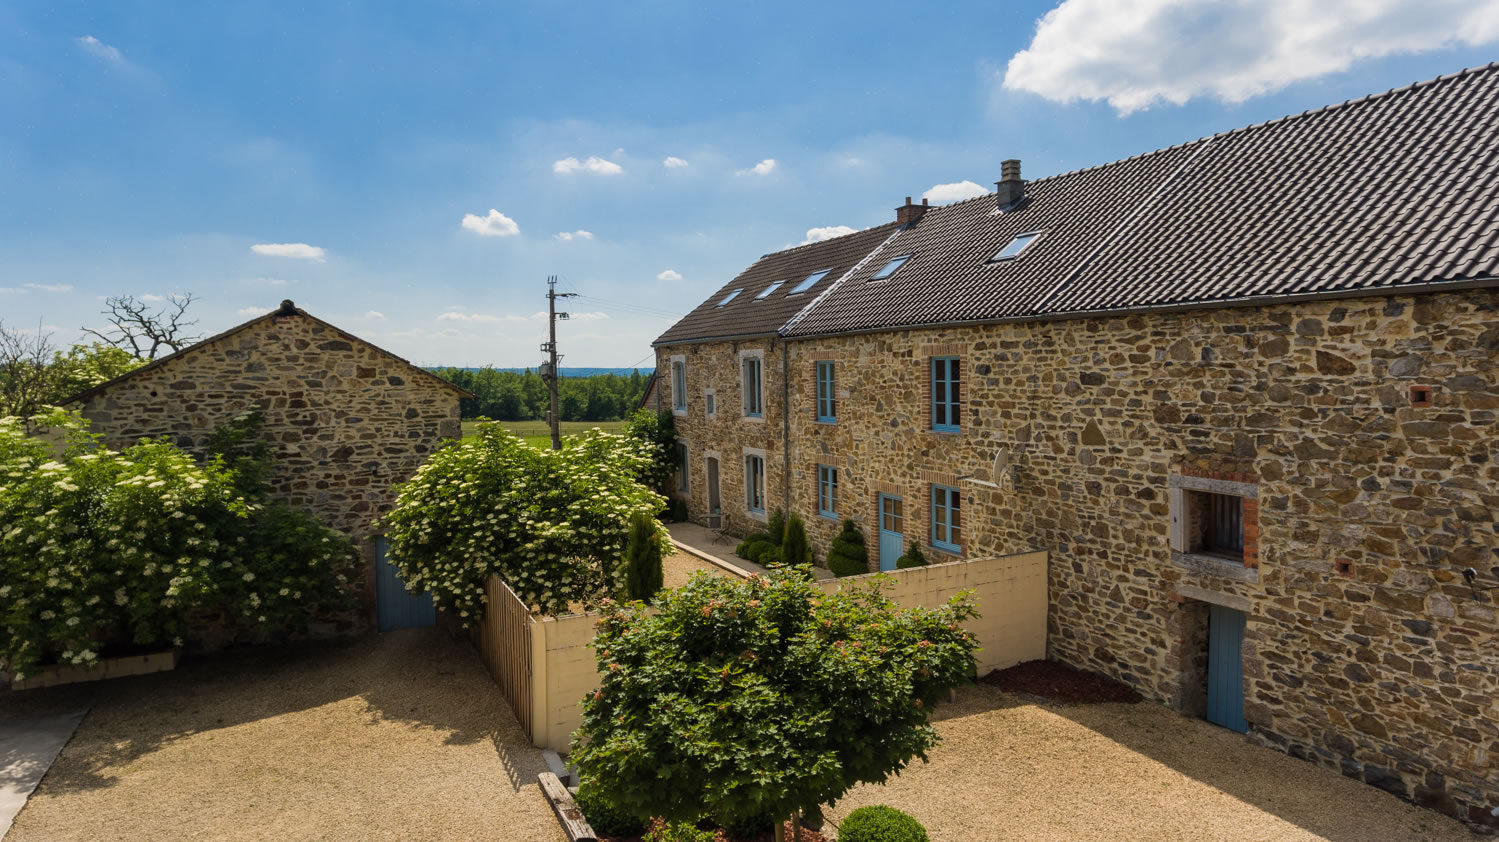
[[764, 552], [847, 556], [794, 547], [913, 557], [880, 824], [643, 574], [776, 527], [602, 815]]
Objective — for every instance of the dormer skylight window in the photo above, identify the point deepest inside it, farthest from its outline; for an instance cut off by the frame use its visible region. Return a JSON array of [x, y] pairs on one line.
[[765, 293], [810, 281], [891, 268], [1013, 249], [731, 296]]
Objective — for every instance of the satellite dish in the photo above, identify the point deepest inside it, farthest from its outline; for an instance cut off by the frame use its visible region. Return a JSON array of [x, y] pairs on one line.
[[1001, 463]]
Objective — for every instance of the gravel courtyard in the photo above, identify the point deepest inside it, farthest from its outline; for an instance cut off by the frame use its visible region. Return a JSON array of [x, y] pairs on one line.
[[1009, 768], [401, 736]]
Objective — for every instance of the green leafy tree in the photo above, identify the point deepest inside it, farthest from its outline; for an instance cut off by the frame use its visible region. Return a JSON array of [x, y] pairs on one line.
[[794, 546], [101, 547], [848, 555], [744, 698], [643, 557], [656, 432], [552, 523], [86, 366]]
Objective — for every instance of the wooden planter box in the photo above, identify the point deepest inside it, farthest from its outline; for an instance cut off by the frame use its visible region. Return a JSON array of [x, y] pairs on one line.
[[57, 674]]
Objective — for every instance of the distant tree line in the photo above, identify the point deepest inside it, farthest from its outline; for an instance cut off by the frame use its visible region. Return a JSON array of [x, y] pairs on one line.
[[522, 396]]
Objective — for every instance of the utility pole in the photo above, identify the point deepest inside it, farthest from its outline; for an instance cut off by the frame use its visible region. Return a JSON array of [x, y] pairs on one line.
[[551, 373]]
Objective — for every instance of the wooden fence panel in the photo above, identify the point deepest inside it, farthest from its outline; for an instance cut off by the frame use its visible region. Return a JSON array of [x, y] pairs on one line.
[[504, 643]]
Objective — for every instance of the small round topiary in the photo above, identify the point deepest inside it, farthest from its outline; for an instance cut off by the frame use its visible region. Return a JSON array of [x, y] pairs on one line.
[[603, 817], [880, 824]]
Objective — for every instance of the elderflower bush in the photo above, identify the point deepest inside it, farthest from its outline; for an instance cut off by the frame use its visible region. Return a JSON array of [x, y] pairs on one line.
[[552, 523], [105, 548]]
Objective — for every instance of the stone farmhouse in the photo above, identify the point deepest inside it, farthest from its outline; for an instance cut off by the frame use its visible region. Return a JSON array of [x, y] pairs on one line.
[[1243, 389], [348, 421]]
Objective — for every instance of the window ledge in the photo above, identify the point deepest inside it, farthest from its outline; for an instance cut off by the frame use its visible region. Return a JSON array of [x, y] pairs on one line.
[[754, 515], [680, 413], [758, 418], [957, 432], [1211, 565], [827, 422], [833, 516], [947, 549]]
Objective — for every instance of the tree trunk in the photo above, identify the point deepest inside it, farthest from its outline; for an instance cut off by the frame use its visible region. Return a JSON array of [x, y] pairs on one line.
[[780, 831], [796, 826]]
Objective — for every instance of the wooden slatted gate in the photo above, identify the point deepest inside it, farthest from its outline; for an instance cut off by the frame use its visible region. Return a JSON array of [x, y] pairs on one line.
[[504, 643]]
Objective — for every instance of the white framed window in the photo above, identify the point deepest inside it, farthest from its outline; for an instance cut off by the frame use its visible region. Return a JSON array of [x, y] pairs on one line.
[[752, 383], [679, 385], [684, 467], [710, 403], [754, 482]]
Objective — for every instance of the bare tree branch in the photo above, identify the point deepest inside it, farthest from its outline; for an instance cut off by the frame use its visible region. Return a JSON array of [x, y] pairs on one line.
[[24, 374], [145, 333]]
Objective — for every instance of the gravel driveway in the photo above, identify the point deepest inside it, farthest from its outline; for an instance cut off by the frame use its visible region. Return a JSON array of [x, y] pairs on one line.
[[1012, 769], [400, 736]]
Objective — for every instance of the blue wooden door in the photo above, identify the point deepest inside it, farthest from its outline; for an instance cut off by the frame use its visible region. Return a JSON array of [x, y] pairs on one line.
[[399, 608], [892, 530], [1226, 668]]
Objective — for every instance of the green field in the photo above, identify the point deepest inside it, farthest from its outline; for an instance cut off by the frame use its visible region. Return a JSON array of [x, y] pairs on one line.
[[536, 432]]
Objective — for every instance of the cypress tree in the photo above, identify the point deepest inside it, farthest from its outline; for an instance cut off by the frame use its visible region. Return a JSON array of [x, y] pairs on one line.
[[644, 575], [794, 547]]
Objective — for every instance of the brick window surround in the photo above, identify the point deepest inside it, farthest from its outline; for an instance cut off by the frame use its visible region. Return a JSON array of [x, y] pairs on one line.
[[1188, 492], [927, 354]]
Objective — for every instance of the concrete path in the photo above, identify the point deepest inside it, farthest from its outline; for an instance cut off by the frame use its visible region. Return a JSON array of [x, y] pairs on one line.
[[28, 745], [710, 546]]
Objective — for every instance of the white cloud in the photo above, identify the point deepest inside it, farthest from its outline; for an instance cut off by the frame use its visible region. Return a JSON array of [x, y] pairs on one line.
[[275, 282], [594, 164], [12, 291], [455, 316], [300, 251], [252, 311], [99, 49], [1138, 53], [496, 224], [588, 317], [817, 235], [765, 167], [374, 314], [672, 162], [946, 194], [153, 298], [51, 287], [669, 275], [579, 234]]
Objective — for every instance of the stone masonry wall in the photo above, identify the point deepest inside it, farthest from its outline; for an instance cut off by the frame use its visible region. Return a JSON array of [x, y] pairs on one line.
[[729, 433], [348, 421], [1364, 499]]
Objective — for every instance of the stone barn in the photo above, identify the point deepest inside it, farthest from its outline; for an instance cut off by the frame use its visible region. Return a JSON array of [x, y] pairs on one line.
[[1243, 390], [348, 421]]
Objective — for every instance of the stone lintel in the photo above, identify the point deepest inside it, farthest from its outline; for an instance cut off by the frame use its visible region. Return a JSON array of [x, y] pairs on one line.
[[1227, 600]]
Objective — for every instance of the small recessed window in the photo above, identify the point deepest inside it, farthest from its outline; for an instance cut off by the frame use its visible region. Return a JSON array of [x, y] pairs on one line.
[[765, 293], [731, 296], [891, 268], [1013, 249], [810, 281]]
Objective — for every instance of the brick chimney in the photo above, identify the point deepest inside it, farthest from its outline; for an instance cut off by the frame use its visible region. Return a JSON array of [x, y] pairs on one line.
[[909, 213], [1010, 185]]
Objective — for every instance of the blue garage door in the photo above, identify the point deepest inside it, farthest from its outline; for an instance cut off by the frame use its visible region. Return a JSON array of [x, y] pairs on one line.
[[399, 608], [1226, 668]]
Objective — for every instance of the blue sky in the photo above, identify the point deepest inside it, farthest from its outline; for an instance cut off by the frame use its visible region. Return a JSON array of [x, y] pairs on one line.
[[148, 149]]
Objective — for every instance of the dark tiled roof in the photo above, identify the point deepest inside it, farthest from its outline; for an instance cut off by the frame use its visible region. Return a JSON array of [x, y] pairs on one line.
[[274, 314], [747, 316], [1376, 194]]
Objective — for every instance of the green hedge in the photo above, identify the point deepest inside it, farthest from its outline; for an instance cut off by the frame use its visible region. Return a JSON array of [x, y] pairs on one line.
[[880, 824]]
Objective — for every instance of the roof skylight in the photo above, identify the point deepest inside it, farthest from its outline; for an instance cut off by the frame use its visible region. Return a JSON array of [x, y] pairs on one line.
[[1013, 249], [731, 296], [810, 281], [765, 293], [891, 268]]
